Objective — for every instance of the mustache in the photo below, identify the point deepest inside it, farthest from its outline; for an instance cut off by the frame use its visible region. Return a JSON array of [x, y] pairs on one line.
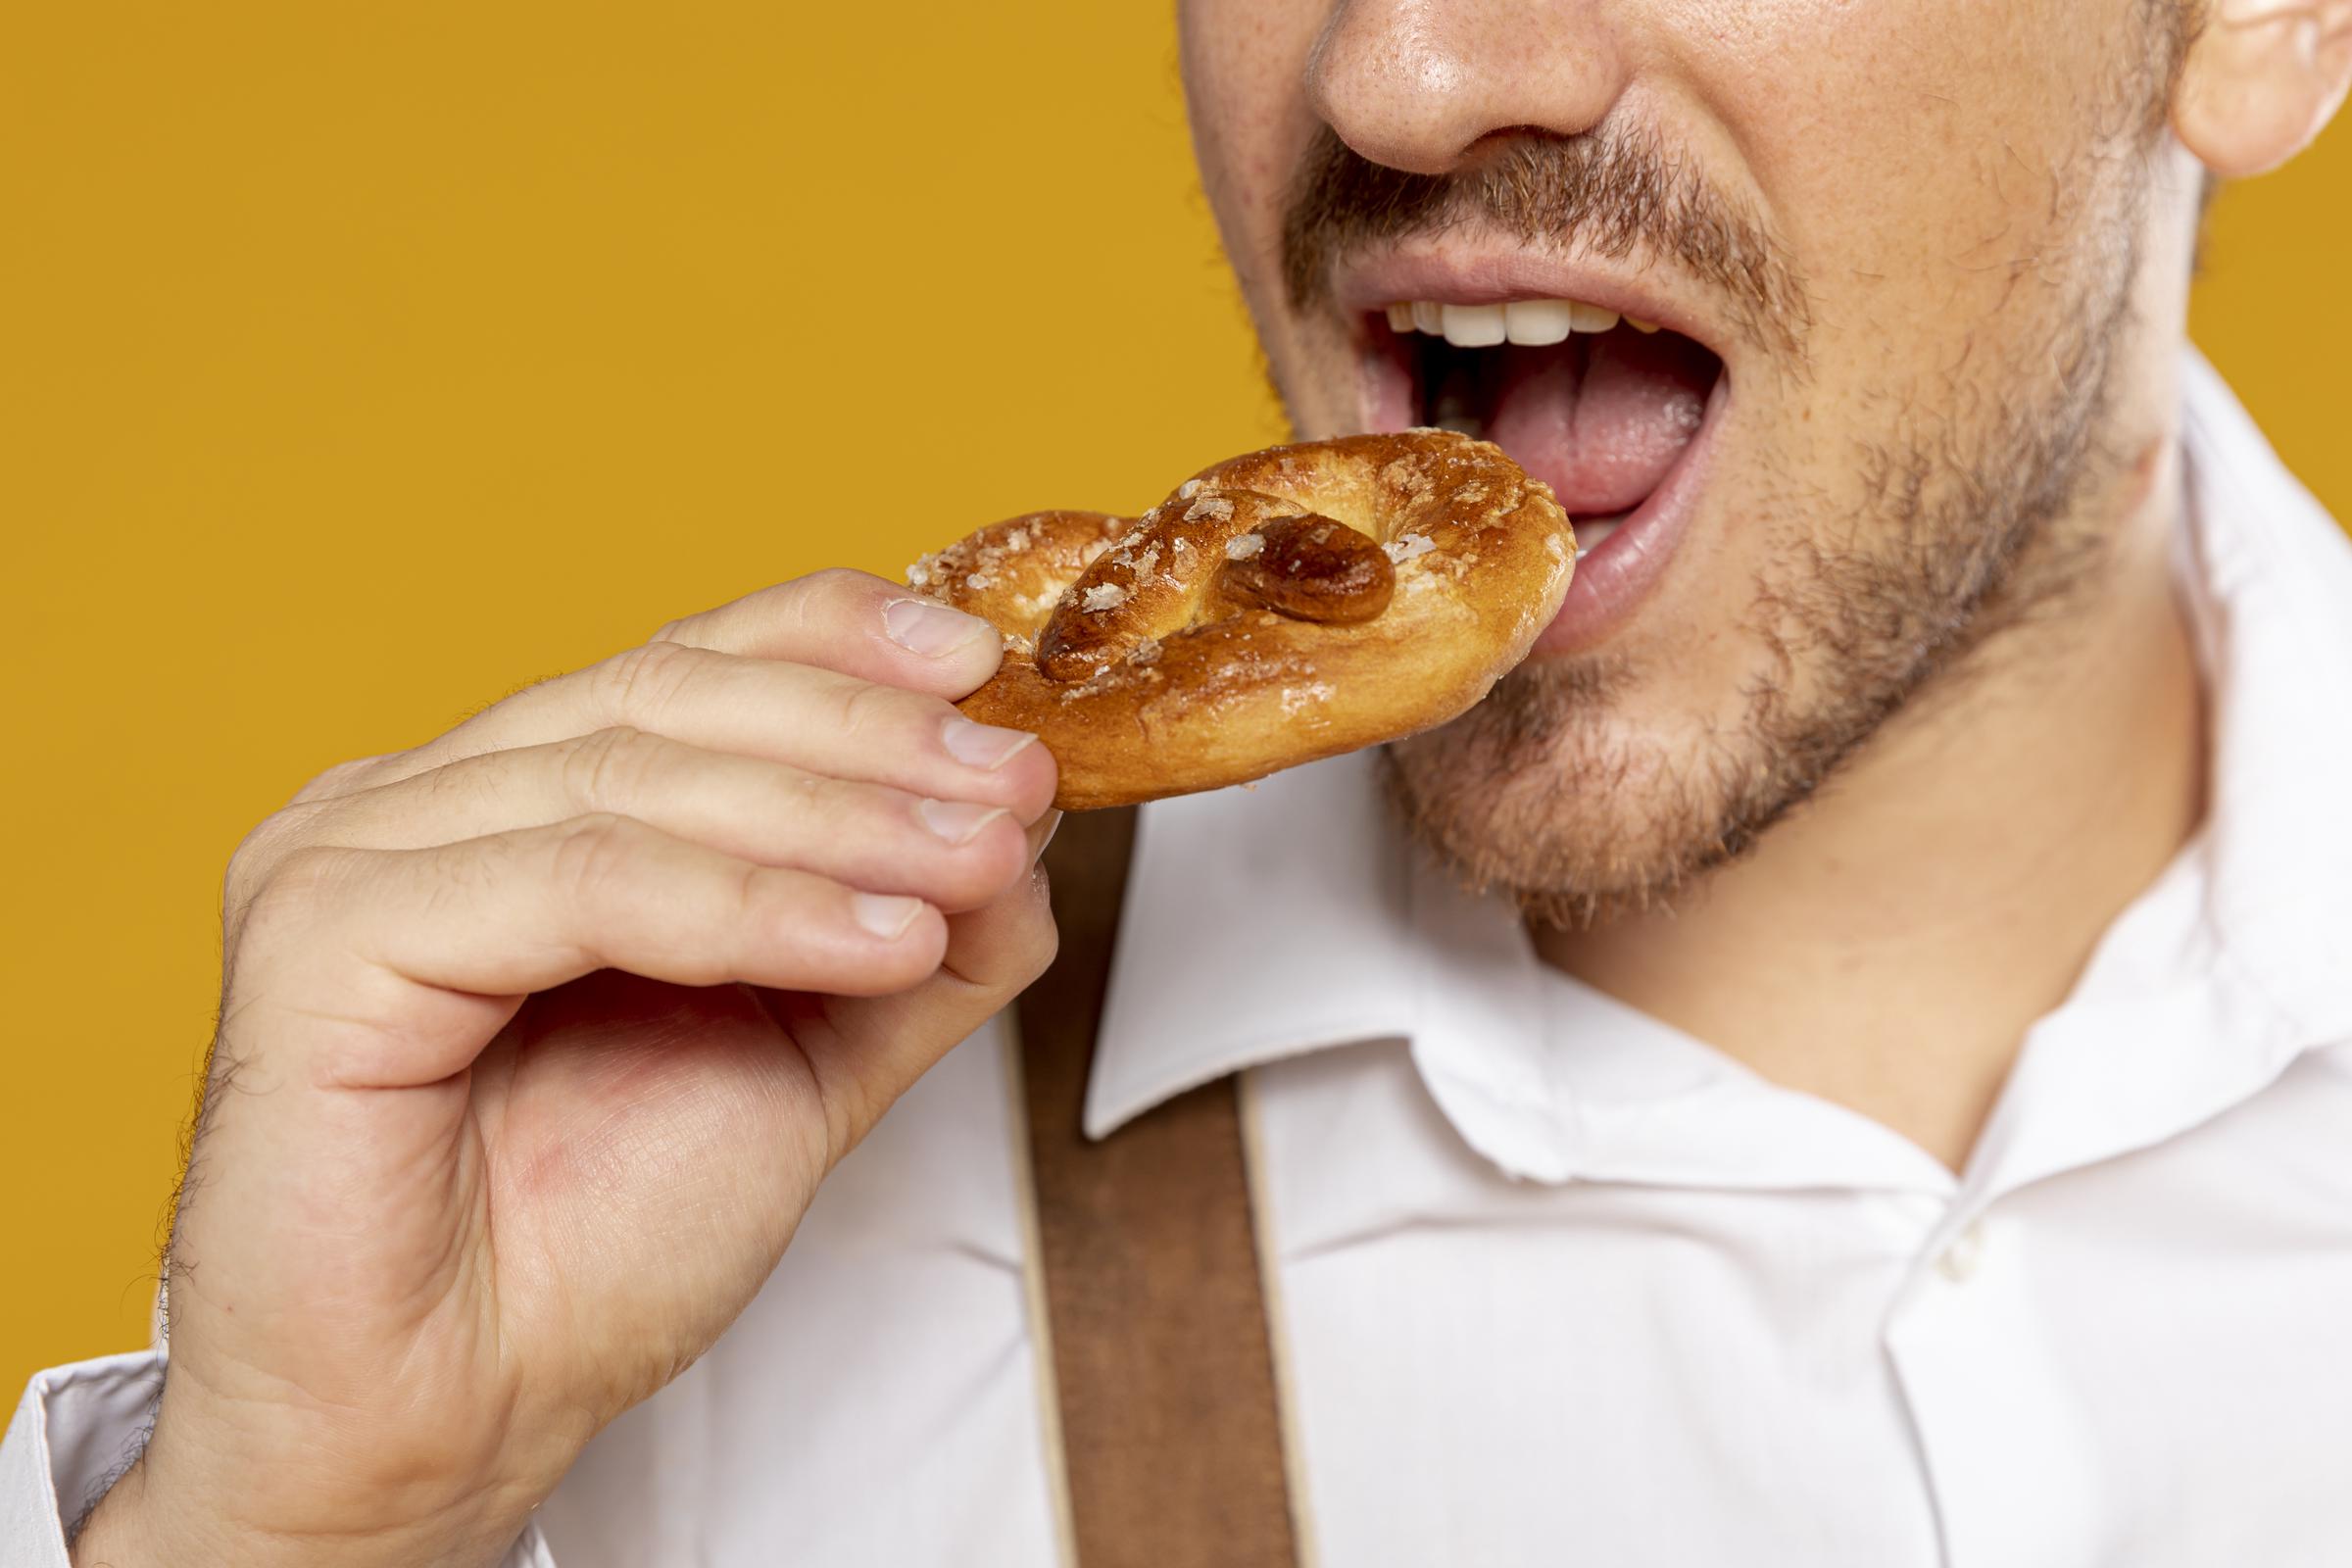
[[1614, 193]]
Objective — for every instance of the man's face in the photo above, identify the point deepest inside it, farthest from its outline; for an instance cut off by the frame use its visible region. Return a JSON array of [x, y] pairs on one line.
[[1892, 250]]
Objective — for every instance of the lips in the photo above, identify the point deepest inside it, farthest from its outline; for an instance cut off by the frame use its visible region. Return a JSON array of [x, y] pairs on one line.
[[1608, 408]]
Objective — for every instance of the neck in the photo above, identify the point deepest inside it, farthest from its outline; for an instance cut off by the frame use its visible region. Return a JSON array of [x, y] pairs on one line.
[[1887, 947]]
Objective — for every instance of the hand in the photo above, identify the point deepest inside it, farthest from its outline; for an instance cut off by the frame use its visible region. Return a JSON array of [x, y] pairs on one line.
[[535, 1042]]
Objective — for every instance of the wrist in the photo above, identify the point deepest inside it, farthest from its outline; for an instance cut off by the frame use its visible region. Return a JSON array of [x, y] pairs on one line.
[[143, 1522]]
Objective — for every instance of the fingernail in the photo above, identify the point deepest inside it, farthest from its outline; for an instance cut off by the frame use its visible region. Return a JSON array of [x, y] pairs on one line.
[[956, 821], [931, 630], [983, 744], [1053, 826], [885, 914]]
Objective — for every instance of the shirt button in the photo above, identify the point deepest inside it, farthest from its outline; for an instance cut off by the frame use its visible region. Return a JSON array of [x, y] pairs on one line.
[[1966, 1254]]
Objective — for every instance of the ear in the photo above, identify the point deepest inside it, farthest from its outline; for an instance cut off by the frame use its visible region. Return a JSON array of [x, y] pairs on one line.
[[2262, 80]]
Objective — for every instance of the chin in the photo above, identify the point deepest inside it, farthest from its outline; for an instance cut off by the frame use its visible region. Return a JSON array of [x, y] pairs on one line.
[[1556, 792]]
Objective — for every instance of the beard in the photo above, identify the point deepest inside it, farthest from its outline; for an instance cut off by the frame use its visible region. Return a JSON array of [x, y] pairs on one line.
[[1967, 534], [1967, 541]]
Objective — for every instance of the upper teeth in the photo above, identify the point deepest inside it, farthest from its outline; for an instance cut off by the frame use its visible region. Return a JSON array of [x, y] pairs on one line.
[[1530, 321]]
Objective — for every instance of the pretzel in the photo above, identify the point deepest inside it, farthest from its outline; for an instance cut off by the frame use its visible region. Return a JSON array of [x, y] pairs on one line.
[[1278, 608]]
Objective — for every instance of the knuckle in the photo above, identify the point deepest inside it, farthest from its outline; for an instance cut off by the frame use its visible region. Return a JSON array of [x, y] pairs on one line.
[[453, 789], [805, 618], [823, 598], [831, 585], [814, 802], [592, 852], [268, 840], [634, 687], [608, 769], [799, 606], [291, 895], [340, 779], [871, 713], [759, 900], [260, 850]]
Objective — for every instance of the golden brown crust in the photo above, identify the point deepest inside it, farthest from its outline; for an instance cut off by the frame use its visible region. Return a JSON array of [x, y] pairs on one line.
[[1281, 607]]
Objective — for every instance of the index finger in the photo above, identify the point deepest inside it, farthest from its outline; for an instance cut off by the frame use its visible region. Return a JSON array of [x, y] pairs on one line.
[[856, 624]]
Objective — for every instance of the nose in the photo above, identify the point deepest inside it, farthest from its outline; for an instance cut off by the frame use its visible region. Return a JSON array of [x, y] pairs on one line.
[[1418, 85]]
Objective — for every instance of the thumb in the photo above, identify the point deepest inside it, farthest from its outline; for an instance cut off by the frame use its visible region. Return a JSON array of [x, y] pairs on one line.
[[865, 1051]]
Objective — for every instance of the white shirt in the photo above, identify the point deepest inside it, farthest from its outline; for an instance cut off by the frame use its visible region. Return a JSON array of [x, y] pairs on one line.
[[1558, 1284]]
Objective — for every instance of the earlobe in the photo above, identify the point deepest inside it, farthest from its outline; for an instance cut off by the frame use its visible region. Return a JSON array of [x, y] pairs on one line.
[[2261, 81]]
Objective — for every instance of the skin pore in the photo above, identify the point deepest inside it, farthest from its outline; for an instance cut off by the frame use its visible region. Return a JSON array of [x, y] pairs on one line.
[[1912, 713]]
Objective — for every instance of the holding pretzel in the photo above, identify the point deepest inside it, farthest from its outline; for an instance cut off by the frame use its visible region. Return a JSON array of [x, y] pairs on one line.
[[1281, 607]]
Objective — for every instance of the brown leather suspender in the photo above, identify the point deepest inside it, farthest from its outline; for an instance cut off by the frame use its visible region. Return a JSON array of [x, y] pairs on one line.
[[1171, 1426]]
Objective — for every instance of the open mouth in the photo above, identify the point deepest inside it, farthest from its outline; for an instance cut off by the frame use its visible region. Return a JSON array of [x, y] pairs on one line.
[[1607, 409]]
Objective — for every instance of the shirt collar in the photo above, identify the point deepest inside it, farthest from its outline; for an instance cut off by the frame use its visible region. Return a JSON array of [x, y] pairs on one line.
[[1259, 923], [1265, 922], [2271, 594]]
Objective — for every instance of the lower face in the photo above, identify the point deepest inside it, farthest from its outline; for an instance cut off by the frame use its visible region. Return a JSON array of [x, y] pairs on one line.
[[1805, 484]]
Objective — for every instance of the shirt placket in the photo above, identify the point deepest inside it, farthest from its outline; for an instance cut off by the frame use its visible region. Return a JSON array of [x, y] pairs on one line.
[[2009, 1461]]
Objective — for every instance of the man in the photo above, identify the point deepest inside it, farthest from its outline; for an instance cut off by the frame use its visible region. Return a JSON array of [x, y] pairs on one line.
[[1845, 1058]]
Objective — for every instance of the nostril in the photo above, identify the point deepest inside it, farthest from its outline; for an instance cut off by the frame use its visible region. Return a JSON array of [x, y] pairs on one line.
[[1419, 144], [1500, 143]]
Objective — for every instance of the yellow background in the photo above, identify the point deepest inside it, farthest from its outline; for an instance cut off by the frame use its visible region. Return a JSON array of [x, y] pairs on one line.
[[360, 363]]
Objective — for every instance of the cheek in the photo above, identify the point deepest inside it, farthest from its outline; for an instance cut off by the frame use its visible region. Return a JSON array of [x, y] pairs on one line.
[[1245, 67], [1243, 62], [1914, 157], [1932, 169]]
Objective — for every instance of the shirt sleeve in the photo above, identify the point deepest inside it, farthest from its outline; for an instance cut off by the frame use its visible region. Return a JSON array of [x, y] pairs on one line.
[[74, 1430]]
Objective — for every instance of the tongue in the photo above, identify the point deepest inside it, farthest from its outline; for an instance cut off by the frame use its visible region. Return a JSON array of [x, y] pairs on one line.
[[1602, 423]]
